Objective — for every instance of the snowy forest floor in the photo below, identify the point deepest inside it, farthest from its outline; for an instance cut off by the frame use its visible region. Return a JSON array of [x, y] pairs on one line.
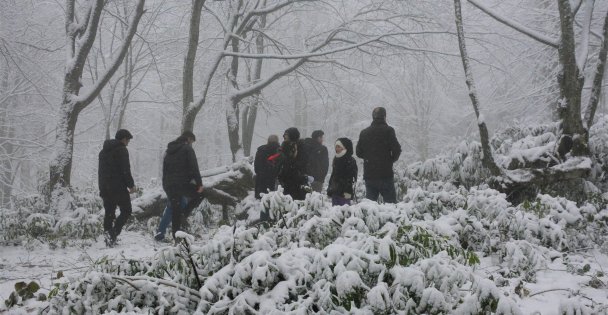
[[556, 282], [42, 264], [525, 263]]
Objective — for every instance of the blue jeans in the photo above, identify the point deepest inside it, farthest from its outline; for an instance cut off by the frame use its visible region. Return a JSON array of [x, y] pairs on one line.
[[167, 218], [384, 187]]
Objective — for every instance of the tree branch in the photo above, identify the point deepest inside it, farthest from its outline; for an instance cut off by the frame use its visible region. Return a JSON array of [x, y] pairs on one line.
[[598, 78], [87, 98], [581, 58], [516, 25]]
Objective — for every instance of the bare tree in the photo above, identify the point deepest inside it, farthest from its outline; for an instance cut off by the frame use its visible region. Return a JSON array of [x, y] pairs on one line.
[[487, 159], [573, 61], [80, 34]]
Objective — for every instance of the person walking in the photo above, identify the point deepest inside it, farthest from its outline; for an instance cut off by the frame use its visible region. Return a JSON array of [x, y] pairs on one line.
[[291, 161], [115, 184], [343, 174], [379, 149], [318, 159], [265, 172], [166, 219], [182, 178]]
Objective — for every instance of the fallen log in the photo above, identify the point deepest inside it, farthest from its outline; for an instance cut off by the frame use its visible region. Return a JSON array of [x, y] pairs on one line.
[[225, 186]]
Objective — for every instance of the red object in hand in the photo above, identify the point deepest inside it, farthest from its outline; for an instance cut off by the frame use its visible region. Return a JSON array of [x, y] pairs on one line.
[[273, 157]]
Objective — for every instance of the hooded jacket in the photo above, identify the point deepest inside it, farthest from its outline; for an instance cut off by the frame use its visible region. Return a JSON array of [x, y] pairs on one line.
[[114, 172], [292, 161], [180, 166], [379, 149], [318, 159], [344, 172], [265, 171]]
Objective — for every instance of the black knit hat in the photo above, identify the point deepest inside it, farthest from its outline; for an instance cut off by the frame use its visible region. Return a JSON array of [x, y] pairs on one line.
[[317, 133], [293, 133], [122, 134]]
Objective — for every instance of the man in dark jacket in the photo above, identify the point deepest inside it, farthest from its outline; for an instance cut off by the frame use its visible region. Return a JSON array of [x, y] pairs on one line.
[[292, 165], [182, 178], [379, 149], [265, 171], [318, 159], [115, 184]]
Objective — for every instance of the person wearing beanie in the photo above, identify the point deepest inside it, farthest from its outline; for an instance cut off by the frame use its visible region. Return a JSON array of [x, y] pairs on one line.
[[318, 159], [115, 184], [291, 163], [182, 179], [343, 174], [379, 149]]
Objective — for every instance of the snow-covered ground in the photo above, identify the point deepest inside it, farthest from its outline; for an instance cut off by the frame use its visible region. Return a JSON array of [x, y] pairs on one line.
[[537, 258]]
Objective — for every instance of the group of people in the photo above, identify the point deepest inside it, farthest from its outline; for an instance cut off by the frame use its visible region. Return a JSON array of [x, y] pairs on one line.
[[300, 166], [181, 181]]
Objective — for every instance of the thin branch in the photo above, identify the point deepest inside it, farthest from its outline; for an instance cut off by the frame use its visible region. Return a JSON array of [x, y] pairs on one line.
[[516, 25], [87, 98]]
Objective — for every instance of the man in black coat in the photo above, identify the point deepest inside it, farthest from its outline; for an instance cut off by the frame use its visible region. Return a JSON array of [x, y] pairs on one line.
[[182, 178], [292, 162], [265, 171], [115, 184], [318, 159], [379, 149]]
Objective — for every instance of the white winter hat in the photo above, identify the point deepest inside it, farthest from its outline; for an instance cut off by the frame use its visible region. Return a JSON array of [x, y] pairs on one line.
[[341, 154], [339, 143]]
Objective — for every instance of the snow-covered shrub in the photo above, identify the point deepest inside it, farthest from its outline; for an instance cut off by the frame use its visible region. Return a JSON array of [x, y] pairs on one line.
[[598, 145], [463, 166]]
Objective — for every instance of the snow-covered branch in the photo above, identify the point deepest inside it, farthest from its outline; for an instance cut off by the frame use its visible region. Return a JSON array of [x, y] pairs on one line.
[[598, 78], [87, 98], [88, 38], [581, 58], [516, 25], [313, 53]]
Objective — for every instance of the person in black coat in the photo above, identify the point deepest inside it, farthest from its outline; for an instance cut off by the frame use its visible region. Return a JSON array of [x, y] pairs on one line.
[[115, 184], [265, 171], [343, 174], [291, 162], [318, 159], [379, 149], [182, 178]]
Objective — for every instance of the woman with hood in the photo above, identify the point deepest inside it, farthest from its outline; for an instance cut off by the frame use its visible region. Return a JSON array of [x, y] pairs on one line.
[[343, 174]]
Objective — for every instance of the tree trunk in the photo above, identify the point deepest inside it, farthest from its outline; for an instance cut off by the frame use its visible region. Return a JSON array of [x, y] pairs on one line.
[[488, 159], [596, 90], [188, 72], [73, 103], [250, 114], [232, 113], [574, 139]]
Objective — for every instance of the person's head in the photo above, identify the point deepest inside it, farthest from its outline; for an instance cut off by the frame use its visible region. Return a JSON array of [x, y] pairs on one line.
[[124, 136], [343, 146], [317, 135], [379, 113], [187, 137], [339, 147], [273, 139], [291, 134]]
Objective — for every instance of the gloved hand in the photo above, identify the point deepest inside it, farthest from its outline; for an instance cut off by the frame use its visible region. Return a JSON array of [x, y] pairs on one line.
[[310, 179], [347, 195]]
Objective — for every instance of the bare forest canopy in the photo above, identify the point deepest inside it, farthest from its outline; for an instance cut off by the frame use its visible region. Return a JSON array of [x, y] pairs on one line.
[[235, 71]]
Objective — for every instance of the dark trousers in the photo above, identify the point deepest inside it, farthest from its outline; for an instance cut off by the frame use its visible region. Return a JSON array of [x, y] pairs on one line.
[[384, 187], [111, 223], [179, 215]]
